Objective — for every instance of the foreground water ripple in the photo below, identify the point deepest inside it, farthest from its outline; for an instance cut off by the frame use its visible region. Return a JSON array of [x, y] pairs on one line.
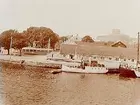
[[35, 87]]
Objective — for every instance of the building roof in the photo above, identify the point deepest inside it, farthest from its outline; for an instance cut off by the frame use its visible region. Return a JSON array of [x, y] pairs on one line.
[[90, 49], [119, 44], [96, 43], [102, 43]]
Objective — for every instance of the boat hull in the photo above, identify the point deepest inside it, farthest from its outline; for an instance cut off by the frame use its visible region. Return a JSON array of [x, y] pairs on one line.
[[137, 73], [125, 72], [94, 70], [113, 71]]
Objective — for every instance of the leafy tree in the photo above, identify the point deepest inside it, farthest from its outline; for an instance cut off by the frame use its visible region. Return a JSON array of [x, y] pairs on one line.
[[41, 35], [5, 39], [63, 38], [19, 41], [31, 35], [53, 40], [87, 38]]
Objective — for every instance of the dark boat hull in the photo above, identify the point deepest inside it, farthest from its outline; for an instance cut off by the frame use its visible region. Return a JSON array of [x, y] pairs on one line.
[[125, 72], [113, 71]]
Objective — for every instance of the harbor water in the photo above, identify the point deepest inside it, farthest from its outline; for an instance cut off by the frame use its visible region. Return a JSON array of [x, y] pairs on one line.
[[38, 87]]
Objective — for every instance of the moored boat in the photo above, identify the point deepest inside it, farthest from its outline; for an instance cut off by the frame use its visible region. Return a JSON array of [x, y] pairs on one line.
[[98, 69], [95, 70], [132, 72]]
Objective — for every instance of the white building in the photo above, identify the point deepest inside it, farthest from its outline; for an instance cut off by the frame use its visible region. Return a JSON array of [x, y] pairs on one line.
[[72, 39]]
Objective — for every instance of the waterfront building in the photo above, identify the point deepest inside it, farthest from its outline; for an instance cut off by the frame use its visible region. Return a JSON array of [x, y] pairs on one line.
[[116, 51]]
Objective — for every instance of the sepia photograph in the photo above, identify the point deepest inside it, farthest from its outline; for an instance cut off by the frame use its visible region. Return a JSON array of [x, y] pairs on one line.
[[69, 52]]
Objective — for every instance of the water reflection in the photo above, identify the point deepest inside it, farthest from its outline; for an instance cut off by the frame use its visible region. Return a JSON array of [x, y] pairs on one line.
[[34, 87], [82, 76], [125, 78], [1, 88]]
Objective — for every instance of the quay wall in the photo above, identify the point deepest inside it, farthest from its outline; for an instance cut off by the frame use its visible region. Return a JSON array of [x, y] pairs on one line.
[[30, 62]]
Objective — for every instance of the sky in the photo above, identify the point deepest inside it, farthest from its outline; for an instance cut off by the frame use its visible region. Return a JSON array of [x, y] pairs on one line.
[[71, 17]]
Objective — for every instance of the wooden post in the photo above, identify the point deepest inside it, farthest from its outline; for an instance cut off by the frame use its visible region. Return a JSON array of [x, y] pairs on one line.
[[10, 47], [138, 51], [48, 45]]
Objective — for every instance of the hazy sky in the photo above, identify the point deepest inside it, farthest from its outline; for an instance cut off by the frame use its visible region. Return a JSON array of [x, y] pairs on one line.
[[66, 17]]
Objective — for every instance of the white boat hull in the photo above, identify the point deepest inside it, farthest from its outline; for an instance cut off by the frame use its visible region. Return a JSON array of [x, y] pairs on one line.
[[137, 73], [95, 70]]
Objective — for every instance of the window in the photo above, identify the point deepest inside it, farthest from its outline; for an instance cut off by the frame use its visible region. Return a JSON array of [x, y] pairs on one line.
[[94, 57], [102, 57], [110, 58], [132, 60], [117, 59], [124, 59]]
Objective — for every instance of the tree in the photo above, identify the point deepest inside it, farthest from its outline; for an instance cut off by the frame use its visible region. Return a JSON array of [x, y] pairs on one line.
[[5, 38], [19, 41], [87, 38], [63, 38], [41, 35], [53, 40], [31, 35]]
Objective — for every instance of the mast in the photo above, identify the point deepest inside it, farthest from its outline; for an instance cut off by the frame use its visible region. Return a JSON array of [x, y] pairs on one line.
[[10, 47], [75, 52], [48, 45], [138, 50]]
